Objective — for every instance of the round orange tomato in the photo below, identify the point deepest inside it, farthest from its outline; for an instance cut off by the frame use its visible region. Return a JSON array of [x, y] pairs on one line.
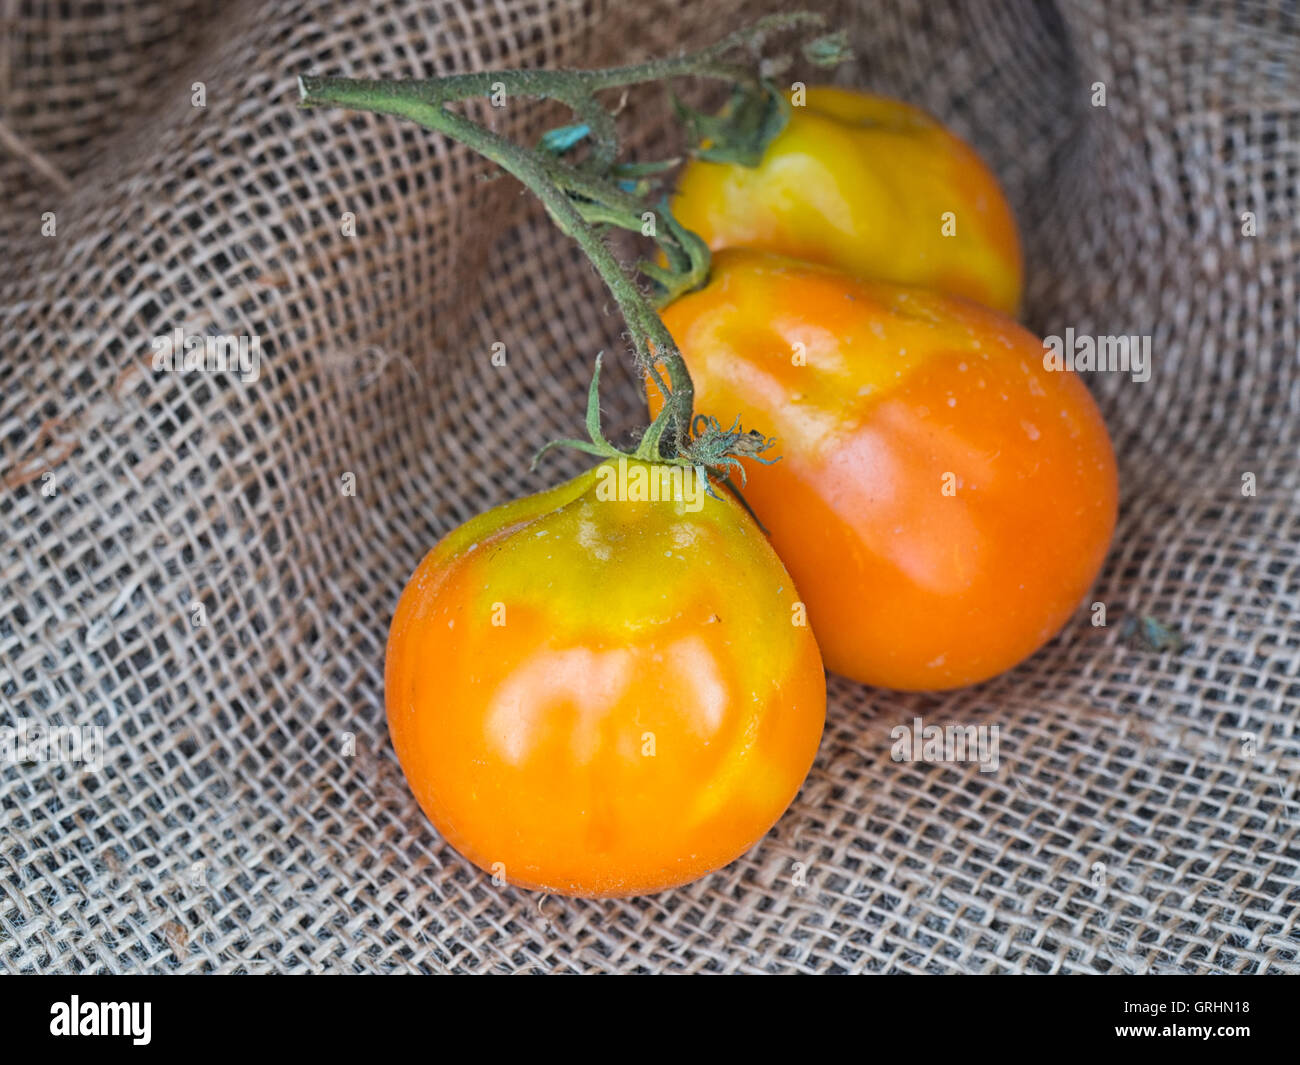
[[942, 500], [596, 694], [870, 185]]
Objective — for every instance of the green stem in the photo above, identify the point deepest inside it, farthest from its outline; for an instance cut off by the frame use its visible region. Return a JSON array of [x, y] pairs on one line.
[[650, 337], [584, 198], [575, 87]]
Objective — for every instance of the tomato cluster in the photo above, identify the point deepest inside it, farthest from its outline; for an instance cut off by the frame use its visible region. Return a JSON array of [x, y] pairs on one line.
[[943, 500], [605, 693]]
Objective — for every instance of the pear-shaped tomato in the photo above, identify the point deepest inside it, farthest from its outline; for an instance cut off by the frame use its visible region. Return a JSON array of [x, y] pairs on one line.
[[871, 185], [943, 499], [607, 688]]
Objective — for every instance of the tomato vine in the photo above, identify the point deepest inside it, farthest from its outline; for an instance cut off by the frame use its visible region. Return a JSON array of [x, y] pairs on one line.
[[587, 197]]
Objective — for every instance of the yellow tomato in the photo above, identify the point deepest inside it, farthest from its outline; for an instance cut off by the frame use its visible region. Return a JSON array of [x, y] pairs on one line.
[[594, 695], [870, 185]]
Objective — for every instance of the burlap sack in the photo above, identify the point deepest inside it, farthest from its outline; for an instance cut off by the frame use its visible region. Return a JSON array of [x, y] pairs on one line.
[[181, 564]]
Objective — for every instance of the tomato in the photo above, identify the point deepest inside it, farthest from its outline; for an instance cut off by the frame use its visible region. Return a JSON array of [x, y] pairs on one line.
[[870, 185], [942, 499], [599, 697]]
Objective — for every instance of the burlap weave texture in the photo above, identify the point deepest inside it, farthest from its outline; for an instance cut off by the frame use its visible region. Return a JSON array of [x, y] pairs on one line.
[[250, 814]]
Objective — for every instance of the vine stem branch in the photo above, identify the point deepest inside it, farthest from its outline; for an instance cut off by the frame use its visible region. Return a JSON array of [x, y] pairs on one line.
[[650, 337], [582, 199]]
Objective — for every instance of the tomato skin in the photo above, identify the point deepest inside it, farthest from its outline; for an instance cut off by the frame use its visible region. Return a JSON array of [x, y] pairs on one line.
[[907, 587], [625, 624], [863, 183]]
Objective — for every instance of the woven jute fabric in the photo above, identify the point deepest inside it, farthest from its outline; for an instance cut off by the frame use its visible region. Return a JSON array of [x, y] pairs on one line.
[[182, 563]]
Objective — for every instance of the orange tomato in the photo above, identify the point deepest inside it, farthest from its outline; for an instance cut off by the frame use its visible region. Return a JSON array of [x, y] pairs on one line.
[[943, 500], [599, 697], [870, 185]]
